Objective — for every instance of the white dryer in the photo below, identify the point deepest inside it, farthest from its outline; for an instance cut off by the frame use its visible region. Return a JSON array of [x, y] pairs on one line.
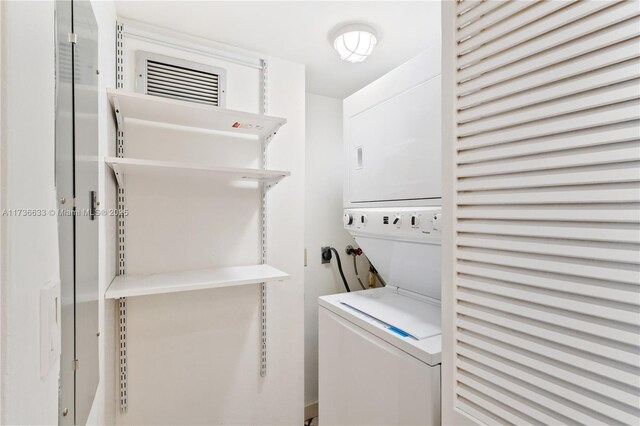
[[392, 137], [379, 349]]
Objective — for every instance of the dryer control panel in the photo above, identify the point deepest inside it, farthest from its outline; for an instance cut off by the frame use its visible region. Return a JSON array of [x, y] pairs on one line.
[[408, 223]]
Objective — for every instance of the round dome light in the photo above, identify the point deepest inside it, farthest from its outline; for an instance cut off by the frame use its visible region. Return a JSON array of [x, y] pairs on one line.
[[354, 42]]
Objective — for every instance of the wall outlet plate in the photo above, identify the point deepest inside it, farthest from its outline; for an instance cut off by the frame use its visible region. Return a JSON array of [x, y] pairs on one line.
[[49, 326], [325, 255]]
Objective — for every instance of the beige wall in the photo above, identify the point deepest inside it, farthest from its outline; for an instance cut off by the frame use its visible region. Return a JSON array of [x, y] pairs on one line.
[[29, 244]]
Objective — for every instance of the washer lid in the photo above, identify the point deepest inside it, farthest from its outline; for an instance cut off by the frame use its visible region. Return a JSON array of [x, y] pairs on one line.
[[410, 265], [403, 244], [415, 317]]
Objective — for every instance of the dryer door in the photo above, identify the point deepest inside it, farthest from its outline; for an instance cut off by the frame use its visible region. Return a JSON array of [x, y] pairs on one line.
[[394, 147]]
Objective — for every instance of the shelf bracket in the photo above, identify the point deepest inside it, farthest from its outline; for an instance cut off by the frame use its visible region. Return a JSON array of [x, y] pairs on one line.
[[268, 138], [119, 116], [119, 176], [270, 184]]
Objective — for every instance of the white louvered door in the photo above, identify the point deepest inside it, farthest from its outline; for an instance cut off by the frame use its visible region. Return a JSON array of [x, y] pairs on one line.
[[541, 146]]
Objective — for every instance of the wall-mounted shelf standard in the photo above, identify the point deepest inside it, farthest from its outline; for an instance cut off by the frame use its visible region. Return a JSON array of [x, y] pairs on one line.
[[147, 284], [133, 166], [172, 112]]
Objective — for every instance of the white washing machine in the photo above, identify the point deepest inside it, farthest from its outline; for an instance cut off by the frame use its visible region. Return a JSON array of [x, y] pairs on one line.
[[379, 349]]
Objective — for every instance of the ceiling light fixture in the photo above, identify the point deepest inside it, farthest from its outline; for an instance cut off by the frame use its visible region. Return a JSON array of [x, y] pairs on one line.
[[354, 42]]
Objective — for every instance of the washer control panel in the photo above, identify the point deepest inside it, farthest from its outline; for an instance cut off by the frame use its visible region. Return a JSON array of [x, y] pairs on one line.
[[399, 222]]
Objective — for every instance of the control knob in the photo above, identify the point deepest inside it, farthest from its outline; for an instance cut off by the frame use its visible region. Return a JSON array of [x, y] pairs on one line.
[[347, 219]]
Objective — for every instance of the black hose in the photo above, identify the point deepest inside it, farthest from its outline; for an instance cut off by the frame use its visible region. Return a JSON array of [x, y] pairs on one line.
[[355, 268], [344, 280]]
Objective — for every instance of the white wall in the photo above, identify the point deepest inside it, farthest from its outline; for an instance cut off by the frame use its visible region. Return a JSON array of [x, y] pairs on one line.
[[283, 400], [29, 244], [103, 409], [2, 222], [324, 160], [29, 256]]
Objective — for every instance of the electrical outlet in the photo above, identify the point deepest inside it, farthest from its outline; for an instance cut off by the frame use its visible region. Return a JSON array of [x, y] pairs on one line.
[[326, 255]]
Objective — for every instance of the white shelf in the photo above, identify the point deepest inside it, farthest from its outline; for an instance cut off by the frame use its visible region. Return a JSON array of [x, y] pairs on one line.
[[144, 285], [190, 114], [133, 166]]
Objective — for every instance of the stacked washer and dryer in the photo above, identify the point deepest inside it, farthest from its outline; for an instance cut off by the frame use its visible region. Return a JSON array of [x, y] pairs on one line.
[[379, 349]]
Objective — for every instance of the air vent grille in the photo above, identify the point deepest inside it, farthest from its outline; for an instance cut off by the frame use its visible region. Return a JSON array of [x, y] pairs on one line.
[[178, 79]]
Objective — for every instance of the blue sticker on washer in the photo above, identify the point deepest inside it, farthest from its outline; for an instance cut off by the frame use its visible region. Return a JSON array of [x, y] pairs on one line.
[[398, 331]]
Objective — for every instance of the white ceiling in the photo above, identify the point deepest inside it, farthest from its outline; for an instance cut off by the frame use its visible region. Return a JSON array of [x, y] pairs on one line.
[[299, 31]]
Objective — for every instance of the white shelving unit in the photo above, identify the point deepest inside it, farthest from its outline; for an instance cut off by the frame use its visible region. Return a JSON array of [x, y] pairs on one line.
[[172, 112], [133, 166], [148, 284], [188, 116]]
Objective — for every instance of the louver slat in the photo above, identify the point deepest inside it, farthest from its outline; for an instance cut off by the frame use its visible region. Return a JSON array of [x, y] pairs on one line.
[[596, 213], [546, 206], [472, 11], [527, 26], [474, 347], [498, 393], [570, 286], [495, 18], [181, 82], [604, 96], [627, 377], [569, 39], [600, 174], [585, 119], [603, 232], [589, 156], [606, 271], [617, 73], [527, 317], [525, 149], [512, 67], [536, 398], [596, 60]]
